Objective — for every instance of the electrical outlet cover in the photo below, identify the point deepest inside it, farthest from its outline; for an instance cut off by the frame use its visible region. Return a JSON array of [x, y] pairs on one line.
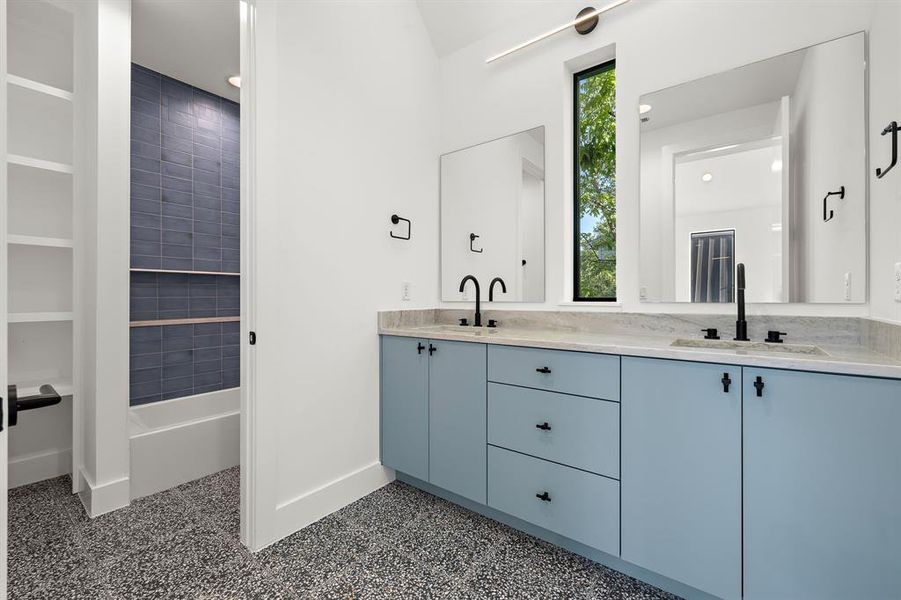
[[898, 282]]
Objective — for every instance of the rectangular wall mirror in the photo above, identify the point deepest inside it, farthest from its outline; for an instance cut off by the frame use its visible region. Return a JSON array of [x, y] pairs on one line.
[[492, 218], [764, 165]]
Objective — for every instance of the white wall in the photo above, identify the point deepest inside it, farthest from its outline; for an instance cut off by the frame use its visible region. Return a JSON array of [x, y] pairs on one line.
[[657, 44], [347, 136], [885, 194], [102, 234]]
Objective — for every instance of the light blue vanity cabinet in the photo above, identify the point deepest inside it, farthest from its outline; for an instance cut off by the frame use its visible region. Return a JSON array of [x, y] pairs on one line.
[[580, 373], [571, 430], [405, 405], [457, 418], [433, 412], [553, 434], [822, 486], [681, 471], [576, 504], [741, 482]]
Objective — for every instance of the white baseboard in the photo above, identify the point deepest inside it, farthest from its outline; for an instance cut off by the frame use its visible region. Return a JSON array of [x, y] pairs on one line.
[[99, 499], [38, 467], [308, 508]]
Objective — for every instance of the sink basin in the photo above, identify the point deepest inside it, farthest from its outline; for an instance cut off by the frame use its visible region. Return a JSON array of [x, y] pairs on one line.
[[809, 350], [466, 329]]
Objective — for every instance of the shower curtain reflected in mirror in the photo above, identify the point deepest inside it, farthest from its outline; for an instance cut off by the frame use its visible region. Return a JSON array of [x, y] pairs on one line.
[[712, 266]]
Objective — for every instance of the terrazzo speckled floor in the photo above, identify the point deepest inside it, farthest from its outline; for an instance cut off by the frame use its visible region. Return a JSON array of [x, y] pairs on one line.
[[395, 543]]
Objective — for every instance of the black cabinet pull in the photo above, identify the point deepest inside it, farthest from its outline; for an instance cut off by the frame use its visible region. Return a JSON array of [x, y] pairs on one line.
[[419, 348], [727, 381], [544, 426], [544, 370], [543, 496], [432, 349], [758, 383]]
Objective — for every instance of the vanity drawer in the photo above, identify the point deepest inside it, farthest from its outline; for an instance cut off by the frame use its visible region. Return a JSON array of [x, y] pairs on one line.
[[594, 375], [578, 505], [573, 430]]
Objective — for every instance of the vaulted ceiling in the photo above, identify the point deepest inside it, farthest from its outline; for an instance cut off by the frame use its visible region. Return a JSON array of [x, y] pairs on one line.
[[197, 42], [455, 24]]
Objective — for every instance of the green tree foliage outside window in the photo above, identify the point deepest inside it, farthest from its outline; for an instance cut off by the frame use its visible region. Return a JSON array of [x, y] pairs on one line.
[[596, 183]]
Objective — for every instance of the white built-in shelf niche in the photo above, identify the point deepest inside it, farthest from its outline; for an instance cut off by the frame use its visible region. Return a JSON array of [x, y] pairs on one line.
[[40, 237]]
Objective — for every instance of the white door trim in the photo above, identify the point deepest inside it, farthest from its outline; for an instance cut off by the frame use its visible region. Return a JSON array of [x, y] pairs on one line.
[[4, 521], [250, 466]]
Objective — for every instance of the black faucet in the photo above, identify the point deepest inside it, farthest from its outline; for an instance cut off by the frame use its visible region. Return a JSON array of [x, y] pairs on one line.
[[491, 288], [478, 320], [741, 325]]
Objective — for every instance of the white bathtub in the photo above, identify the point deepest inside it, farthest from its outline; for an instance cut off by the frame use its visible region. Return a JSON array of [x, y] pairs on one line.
[[176, 441]]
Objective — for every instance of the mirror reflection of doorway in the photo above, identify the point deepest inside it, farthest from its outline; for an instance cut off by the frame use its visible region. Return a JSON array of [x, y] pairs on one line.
[[713, 266]]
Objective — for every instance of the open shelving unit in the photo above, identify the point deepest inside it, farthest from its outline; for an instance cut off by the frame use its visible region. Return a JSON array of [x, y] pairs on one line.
[[41, 241]]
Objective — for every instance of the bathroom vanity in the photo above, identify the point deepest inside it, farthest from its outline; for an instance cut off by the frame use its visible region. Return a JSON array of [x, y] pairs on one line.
[[705, 471]]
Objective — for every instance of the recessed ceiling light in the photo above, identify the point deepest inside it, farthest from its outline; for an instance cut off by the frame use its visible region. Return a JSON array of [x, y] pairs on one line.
[[644, 108], [706, 177], [776, 166], [235, 80]]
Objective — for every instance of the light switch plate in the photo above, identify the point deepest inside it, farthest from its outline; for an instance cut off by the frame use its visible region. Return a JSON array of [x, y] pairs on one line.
[[847, 282], [405, 291]]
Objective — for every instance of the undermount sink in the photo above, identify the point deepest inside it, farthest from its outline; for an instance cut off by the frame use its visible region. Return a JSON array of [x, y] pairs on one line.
[[750, 346], [484, 330]]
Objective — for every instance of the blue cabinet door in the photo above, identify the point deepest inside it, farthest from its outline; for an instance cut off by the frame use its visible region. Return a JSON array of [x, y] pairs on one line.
[[457, 418], [681, 472], [405, 405], [822, 490]]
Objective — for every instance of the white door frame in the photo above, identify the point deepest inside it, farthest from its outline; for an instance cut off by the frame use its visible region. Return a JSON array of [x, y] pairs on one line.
[[249, 419], [4, 420]]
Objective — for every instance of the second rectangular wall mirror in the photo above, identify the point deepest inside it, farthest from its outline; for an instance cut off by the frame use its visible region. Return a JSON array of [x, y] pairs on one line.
[[492, 217], [764, 165]]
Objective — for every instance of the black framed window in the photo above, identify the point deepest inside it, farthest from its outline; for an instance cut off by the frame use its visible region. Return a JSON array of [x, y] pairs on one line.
[[594, 180]]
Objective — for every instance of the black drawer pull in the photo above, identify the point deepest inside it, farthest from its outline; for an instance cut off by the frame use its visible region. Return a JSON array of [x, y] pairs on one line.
[[432, 349], [544, 426], [543, 496], [726, 382], [544, 370], [758, 383], [419, 348]]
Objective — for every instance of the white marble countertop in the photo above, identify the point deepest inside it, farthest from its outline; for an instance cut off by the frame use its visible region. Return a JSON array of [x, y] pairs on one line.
[[843, 359]]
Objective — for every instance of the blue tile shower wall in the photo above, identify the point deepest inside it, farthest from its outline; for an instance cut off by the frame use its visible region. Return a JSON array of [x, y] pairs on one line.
[[174, 361], [184, 217], [184, 176], [181, 296]]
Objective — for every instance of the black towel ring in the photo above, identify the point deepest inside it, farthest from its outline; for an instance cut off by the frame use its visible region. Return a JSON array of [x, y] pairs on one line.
[[395, 220]]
